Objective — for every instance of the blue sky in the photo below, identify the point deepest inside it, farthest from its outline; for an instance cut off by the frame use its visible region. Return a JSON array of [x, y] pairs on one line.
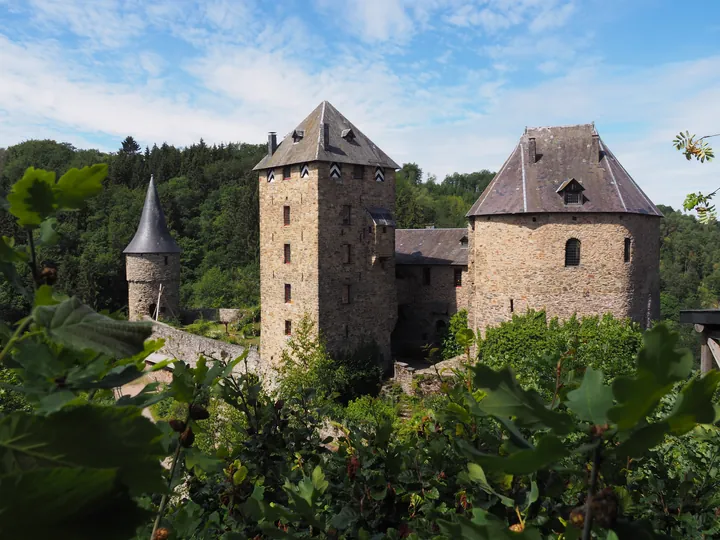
[[449, 84]]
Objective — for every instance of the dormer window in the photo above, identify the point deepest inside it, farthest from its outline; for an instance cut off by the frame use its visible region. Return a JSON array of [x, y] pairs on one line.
[[348, 134], [572, 192], [464, 242], [297, 135]]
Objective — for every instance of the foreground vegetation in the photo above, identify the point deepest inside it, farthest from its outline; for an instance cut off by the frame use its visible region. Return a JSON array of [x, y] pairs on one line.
[[617, 451]]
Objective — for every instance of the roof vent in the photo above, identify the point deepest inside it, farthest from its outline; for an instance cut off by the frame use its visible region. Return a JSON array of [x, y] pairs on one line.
[[298, 134], [348, 134], [595, 148], [532, 149], [272, 143]]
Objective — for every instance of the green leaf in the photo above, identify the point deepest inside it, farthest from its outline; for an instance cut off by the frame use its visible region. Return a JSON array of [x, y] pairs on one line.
[[659, 367], [32, 198], [345, 518], [115, 378], [506, 398], [48, 235], [44, 296], [87, 436], [200, 461], [76, 325], [477, 475], [549, 450], [318, 480], [67, 504], [592, 400], [77, 185], [8, 253], [182, 386]]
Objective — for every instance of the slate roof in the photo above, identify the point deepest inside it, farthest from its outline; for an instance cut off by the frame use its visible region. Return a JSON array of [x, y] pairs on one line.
[[380, 216], [152, 235], [430, 246], [323, 141], [529, 183]]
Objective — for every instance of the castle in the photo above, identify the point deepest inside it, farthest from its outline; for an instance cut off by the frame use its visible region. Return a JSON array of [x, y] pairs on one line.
[[561, 227]]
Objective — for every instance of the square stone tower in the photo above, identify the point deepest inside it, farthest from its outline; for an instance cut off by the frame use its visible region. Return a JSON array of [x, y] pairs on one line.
[[327, 236]]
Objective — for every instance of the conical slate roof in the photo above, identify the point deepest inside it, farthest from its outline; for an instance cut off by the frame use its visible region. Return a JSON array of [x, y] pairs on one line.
[[152, 235], [545, 161], [326, 135]]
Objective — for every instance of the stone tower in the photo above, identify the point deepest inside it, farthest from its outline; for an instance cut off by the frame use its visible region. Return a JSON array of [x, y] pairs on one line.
[[327, 236], [152, 260], [563, 227]]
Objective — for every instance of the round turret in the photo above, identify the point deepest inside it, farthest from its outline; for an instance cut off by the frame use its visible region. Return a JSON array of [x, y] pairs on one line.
[[152, 264]]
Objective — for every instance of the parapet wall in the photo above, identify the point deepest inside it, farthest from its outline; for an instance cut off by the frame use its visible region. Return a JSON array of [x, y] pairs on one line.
[[188, 347]]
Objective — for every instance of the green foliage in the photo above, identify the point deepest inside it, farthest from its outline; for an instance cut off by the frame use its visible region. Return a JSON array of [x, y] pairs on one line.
[[369, 411], [450, 346]]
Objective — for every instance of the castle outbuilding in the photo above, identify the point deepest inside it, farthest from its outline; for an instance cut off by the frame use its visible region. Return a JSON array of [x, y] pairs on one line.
[[563, 227], [152, 264], [327, 236]]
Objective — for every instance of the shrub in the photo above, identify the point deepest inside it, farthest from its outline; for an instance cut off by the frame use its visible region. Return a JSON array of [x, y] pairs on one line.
[[450, 346], [368, 411]]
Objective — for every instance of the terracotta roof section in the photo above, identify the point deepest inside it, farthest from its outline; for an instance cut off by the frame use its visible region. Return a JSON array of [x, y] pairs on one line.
[[431, 246], [325, 138], [547, 158], [152, 235]]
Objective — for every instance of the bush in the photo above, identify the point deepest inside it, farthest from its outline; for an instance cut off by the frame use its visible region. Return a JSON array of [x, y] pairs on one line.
[[369, 411], [450, 346], [532, 346]]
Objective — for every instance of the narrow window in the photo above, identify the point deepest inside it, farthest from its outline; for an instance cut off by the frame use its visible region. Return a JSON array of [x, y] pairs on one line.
[[346, 294], [458, 277], [627, 250], [512, 306], [347, 253], [426, 276], [347, 331], [384, 229], [358, 172], [286, 173], [287, 254], [288, 328], [286, 215], [288, 293], [572, 252], [166, 260], [346, 213]]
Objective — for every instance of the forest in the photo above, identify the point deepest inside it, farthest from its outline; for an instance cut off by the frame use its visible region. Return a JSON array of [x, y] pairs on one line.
[[210, 198]]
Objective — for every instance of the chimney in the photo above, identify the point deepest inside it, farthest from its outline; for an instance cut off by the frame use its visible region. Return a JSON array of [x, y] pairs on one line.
[[595, 149], [326, 136], [532, 148], [272, 143]]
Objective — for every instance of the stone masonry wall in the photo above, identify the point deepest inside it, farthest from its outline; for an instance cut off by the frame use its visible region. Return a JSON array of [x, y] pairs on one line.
[[521, 258], [145, 273], [301, 195], [371, 312], [423, 308]]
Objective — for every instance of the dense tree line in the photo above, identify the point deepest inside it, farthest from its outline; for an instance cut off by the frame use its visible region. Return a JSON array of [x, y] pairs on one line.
[[210, 198]]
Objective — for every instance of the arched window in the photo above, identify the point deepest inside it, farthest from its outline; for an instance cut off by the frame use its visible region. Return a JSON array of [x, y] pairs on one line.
[[572, 252]]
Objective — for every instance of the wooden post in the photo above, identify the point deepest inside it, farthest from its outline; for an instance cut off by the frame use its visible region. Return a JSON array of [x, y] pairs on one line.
[[706, 357]]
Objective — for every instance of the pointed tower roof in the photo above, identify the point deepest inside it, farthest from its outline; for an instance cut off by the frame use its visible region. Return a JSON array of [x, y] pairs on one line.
[[546, 160], [326, 135], [152, 235]]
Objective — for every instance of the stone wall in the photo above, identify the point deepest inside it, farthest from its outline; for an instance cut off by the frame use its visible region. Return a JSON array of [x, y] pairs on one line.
[[425, 310], [371, 312], [188, 347], [301, 196], [221, 315], [517, 262], [145, 273]]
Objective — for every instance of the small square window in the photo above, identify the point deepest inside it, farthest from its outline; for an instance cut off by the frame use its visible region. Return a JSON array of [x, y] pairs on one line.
[[426, 276], [346, 294], [286, 215], [358, 171], [347, 253], [458, 277], [346, 214], [287, 173], [286, 254], [288, 328], [288, 293]]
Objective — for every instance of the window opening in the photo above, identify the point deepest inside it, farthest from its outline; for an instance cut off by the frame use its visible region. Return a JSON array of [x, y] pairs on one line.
[[627, 249], [346, 294], [347, 331], [347, 253], [572, 252], [288, 293], [358, 171], [286, 173], [166, 260], [426, 276], [572, 197], [288, 328], [458, 277], [286, 215], [287, 254], [512, 306], [346, 213], [384, 229]]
